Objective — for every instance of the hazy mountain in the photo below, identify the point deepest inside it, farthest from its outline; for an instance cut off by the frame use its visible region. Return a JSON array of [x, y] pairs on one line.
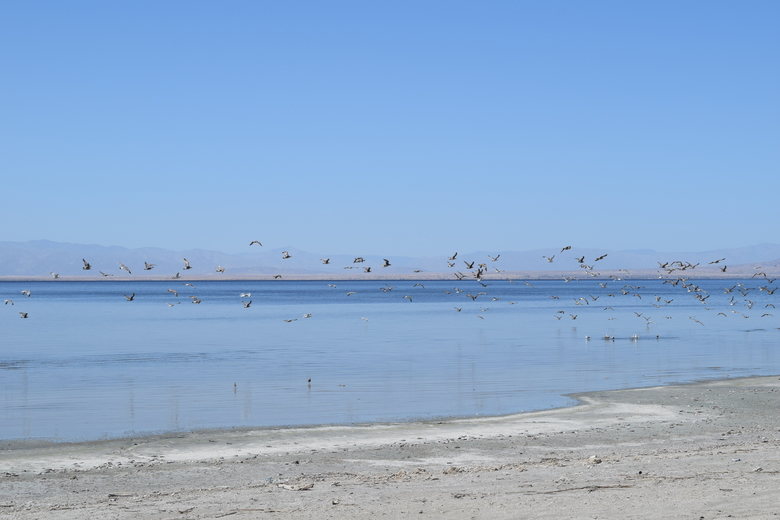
[[41, 257]]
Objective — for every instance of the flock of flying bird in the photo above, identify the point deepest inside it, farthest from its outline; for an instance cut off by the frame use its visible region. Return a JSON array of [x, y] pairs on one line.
[[674, 273]]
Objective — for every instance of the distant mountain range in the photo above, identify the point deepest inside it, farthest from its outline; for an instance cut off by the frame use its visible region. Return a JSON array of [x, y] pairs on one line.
[[40, 258]]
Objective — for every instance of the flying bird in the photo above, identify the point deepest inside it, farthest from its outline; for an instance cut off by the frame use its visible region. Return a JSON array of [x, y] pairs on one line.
[[325, 260], [253, 242], [386, 262], [494, 258], [549, 258], [602, 257], [123, 267], [358, 260], [186, 264], [220, 269], [87, 266], [23, 315], [246, 304], [148, 266], [565, 248], [130, 297], [454, 256], [26, 292], [286, 255]]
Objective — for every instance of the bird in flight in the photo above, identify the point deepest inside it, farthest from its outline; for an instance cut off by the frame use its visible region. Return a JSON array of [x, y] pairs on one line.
[[325, 261], [453, 257], [246, 304], [253, 242], [565, 248], [23, 315], [130, 297], [549, 258], [358, 260], [602, 257], [220, 269], [55, 275], [173, 292], [186, 264], [8, 301], [87, 266], [123, 267], [26, 292], [386, 262], [494, 258], [286, 255], [148, 266]]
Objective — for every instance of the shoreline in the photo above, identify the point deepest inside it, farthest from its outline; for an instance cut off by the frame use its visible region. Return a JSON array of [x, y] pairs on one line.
[[702, 448], [580, 399]]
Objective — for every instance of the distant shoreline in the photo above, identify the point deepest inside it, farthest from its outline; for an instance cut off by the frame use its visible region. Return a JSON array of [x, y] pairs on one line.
[[430, 276]]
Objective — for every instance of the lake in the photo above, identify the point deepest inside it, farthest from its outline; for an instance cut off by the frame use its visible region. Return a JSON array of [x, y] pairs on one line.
[[89, 364]]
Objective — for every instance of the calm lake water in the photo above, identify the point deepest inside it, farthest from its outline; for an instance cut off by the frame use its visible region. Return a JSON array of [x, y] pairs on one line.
[[88, 364]]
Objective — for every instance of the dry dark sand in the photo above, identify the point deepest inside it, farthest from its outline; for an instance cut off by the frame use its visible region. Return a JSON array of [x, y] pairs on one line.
[[707, 450]]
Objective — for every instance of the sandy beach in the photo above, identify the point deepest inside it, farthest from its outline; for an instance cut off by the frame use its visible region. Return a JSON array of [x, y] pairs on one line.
[[706, 450]]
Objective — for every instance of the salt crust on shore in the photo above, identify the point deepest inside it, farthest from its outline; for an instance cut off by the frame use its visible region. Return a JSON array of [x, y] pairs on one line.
[[705, 450]]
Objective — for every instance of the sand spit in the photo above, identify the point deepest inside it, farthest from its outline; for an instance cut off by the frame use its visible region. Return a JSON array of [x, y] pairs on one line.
[[706, 450]]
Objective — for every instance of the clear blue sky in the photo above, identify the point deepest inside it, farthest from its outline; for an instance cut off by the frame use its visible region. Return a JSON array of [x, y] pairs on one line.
[[391, 127]]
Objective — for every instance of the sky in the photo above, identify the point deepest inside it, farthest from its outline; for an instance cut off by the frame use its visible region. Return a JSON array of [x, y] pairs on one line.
[[408, 128]]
